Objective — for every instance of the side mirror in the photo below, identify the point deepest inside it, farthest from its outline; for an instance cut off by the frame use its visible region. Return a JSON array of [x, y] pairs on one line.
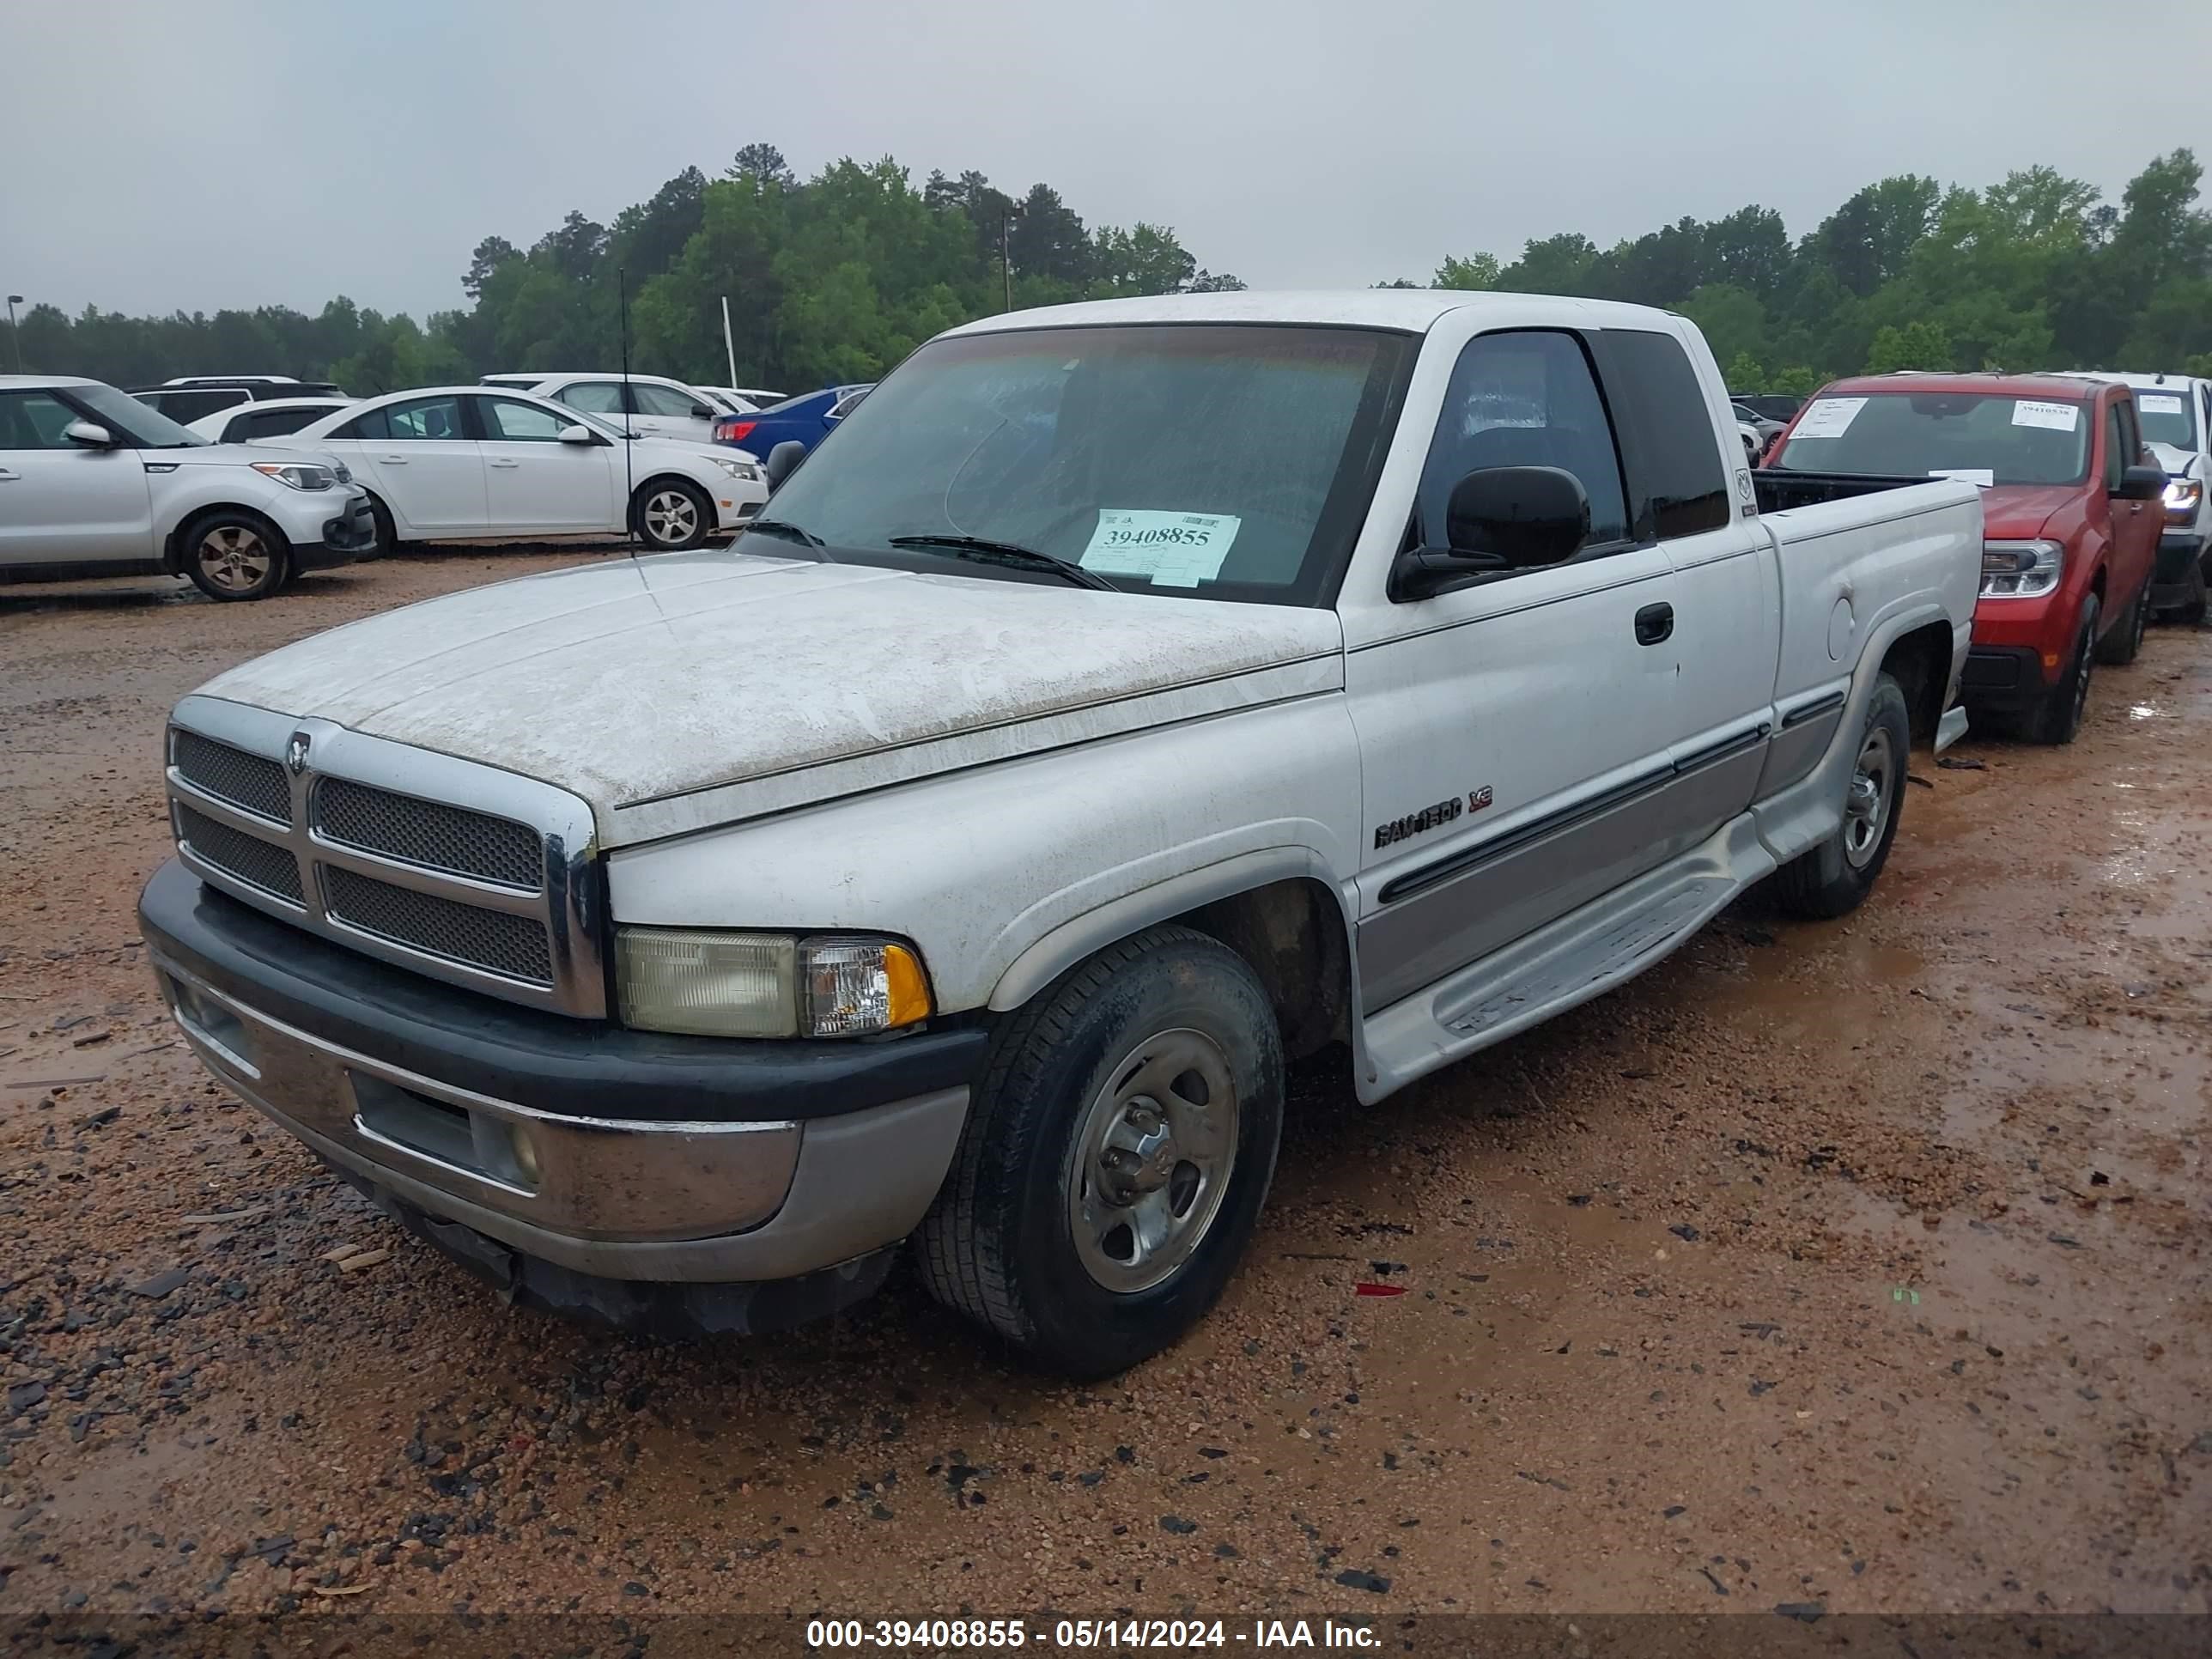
[[1500, 518], [2137, 483], [783, 460], [577, 433], [701, 412], [94, 436]]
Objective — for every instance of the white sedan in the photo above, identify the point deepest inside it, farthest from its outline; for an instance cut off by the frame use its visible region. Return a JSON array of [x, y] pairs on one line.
[[470, 462]]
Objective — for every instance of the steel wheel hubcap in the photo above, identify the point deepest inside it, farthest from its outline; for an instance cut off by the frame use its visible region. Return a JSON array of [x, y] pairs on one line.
[[1151, 1161], [671, 516], [233, 557], [1873, 780]]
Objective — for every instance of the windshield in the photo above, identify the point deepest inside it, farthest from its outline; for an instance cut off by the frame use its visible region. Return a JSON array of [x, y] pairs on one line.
[[146, 426], [1232, 462], [2166, 417], [1987, 440]]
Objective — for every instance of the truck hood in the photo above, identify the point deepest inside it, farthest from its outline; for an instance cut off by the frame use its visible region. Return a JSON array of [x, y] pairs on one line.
[[689, 689], [2019, 512], [2178, 462]]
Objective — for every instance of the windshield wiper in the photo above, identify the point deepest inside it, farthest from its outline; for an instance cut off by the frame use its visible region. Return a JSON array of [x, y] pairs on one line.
[[986, 551], [780, 527]]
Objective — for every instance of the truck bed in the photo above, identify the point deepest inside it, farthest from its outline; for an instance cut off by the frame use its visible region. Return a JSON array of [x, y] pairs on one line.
[[1777, 489]]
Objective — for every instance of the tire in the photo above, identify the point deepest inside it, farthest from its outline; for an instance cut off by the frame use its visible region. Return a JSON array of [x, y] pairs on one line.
[[670, 514], [1066, 1160], [2124, 643], [388, 533], [1833, 879], [2058, 718], [231, 555]]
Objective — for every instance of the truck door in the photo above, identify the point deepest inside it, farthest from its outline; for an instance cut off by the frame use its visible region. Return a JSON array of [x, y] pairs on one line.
[[2135, 525], [1514, 731], [1727, 595]]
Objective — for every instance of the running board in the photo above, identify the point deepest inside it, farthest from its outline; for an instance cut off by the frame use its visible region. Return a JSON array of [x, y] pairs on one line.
[[1573, 959]]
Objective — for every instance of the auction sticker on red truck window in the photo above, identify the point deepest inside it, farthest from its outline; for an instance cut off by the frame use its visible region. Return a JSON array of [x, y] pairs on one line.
[[1829, 417], [2056, 418], [1173, 550]]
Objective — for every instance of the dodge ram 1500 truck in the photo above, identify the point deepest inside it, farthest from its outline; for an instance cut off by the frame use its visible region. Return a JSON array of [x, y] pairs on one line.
[[1128, 697]]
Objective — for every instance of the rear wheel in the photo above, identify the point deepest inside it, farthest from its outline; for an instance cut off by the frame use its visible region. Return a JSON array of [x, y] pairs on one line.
[[2058, 716], [670, 514], [2125, 642], [230, 555], [1115, 1161], [1834, 878]]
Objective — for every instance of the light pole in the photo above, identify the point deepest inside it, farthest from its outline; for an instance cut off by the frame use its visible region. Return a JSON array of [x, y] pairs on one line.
[[15, 338]]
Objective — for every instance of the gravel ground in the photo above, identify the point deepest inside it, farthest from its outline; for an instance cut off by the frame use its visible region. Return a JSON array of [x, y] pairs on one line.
[[1860, 1265]]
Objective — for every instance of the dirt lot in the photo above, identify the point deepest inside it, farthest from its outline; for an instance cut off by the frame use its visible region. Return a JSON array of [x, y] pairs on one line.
[[1862, 1264]]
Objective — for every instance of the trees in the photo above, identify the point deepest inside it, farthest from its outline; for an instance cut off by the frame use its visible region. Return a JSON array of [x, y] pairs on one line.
[[2032, 271], [838, 275]]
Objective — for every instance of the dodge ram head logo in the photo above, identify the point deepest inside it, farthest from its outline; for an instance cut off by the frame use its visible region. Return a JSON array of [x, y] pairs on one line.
[[295, 754]]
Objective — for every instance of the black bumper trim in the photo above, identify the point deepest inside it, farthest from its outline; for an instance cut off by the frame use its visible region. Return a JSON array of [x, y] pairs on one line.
[[550, 1062], [2001, 677]]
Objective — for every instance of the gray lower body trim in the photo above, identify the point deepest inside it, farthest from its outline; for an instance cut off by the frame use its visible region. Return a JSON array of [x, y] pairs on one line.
[[1950, 728], [1437, 928]]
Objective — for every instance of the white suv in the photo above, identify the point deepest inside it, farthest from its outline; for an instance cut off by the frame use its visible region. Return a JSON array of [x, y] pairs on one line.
[[94, 482], [2175, 411]]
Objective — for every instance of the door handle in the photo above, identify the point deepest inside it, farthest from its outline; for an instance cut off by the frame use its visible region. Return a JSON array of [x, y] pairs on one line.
[[506, 462], [6, 476], [392, 460], [1654, 622]]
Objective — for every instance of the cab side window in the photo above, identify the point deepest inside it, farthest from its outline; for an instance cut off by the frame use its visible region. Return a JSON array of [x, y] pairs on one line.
[[35, 419], [1524, 398], [2117, 449], [1677, 482]]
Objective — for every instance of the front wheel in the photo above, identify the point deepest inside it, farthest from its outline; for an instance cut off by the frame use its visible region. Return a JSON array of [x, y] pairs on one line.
[[2190, 611], [232, 555], [2058, 718], [1115, 1158], [670, 514], [2124, 643], [1833, 879]]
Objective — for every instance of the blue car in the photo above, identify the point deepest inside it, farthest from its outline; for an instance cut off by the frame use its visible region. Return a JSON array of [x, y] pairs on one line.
[[806, 419]]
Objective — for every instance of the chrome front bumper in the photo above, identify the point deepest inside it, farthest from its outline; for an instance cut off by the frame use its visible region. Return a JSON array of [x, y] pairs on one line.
[[629, 1199]]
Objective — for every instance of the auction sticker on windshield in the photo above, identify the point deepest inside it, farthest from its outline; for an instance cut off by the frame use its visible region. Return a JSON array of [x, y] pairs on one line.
[[2159, 402], [1172, 550], [1829, 417], [1985, 477], [2056, 418]]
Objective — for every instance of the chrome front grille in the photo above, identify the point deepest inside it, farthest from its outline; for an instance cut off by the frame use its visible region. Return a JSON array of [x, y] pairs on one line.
[[252, 782], [432, 834], [512, 945], [460, 871], [257, 863]]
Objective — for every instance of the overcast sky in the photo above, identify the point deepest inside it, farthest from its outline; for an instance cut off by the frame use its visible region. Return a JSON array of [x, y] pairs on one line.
[[248, 152]]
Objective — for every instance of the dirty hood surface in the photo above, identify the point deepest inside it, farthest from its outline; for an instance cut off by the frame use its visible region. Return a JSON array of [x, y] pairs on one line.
[[635, 681]]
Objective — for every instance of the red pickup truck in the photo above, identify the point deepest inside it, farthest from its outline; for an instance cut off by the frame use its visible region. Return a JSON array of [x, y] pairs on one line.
[[2070, 503]]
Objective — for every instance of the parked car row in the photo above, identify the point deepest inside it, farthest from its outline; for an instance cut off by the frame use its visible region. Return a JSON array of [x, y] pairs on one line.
[[2095, 518], [1128, 699], [95, 483]]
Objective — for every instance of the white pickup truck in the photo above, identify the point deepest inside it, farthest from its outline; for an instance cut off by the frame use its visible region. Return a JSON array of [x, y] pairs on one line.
[[1129, 698]]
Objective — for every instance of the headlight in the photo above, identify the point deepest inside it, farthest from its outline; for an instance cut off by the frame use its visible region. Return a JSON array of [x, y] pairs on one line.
[[711, 983], [744, 470], [2182, 496], [2020, 570], [299, 475]]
